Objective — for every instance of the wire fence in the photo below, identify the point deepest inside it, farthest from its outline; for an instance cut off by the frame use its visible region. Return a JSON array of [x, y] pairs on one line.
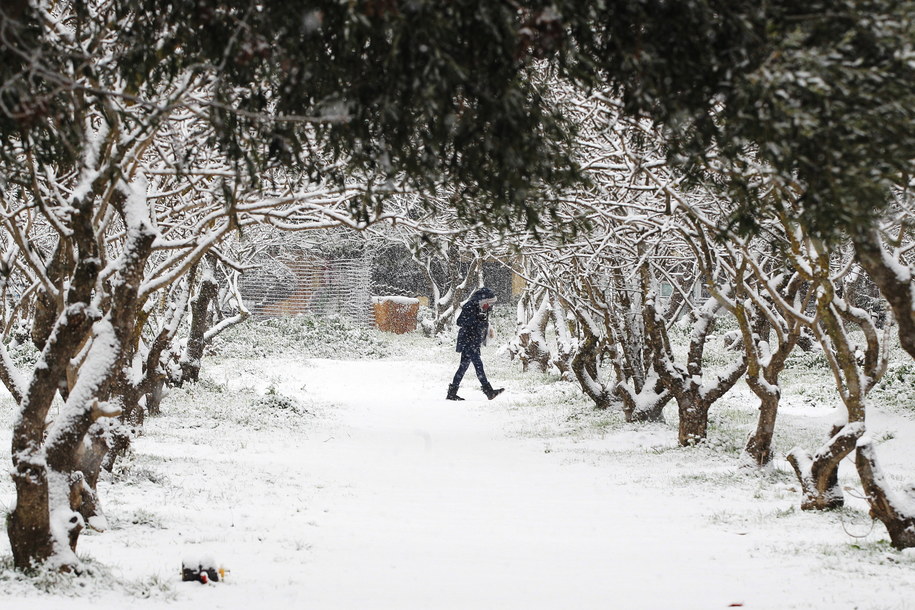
[[289, 287]]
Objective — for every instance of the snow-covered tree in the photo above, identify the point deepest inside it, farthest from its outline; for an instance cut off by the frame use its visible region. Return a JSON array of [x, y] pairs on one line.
[[132, 145], [453, 274], [856, 369], [609, 274], [884, 250]]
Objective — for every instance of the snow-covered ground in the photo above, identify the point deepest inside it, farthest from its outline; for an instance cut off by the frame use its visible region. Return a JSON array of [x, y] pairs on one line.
[[323, 483]]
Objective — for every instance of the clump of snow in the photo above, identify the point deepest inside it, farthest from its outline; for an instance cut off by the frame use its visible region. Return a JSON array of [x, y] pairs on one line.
[[396, 300]]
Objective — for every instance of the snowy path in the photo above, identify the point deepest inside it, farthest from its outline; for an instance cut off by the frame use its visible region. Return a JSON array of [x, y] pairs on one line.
[[394, 498], [438, 509]]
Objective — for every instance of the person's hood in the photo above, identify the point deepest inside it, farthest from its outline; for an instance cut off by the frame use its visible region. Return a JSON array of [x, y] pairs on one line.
[[483, 294]]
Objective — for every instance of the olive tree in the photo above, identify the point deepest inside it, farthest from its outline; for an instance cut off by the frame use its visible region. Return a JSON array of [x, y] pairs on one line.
[[133, 145]]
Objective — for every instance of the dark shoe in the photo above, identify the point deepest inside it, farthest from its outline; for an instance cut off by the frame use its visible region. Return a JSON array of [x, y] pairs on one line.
[[491, 393], [452, 393]]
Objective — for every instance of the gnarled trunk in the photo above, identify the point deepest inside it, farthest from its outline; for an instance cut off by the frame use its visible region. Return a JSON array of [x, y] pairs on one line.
[[29, 524], [45, 525], [894, 281], [565, 345], [90, 457], [759, 444], [895, 511], [190, 361], [694, 398], [819, 474], [532, 346], [646, 405], [584, 367], [693, 428]]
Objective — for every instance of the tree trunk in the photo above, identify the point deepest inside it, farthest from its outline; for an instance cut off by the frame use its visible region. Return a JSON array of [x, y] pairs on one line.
[[584, 367], [647, 405], [190, 362], [897, 513], [89, 459], [895, 286], [694, 398], [565, 345], [693, 427], [32, 539], [46, 310], [28, 525], [46, 522], [819, 474], [532, 341], [155, 396], [650, 412], [759, 445]]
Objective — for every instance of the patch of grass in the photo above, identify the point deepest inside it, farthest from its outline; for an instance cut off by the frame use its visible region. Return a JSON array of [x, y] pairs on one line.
[[868, 552], [897, 388], [809, 360], [153, 587], [211, 404], [706, 477], [126, 471], [783, 513], [728, 429], [92, 578], [274, 401], [207, 384], [147, 518], [304, 336], [756, 518]]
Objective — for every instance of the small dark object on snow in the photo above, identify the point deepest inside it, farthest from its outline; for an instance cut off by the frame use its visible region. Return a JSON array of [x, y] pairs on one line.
[[200, 571]]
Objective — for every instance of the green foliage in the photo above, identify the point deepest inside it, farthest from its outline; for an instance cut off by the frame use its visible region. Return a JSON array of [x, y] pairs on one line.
[[820, 91], [899, 374], [809, 360], [445, 92], [897, 387], [832, 105], [671, 59], [23, 354], [423, 91]]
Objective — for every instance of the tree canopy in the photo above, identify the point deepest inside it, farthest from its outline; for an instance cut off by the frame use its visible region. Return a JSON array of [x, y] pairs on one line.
[[818, 92], [414, 93], [426, 92]]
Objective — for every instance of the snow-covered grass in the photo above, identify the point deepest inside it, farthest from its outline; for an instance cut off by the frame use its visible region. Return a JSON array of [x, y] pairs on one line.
[[351, 483], [304, 336]]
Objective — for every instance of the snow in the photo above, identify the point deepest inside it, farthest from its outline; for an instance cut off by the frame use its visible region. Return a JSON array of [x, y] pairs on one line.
[[903, 272], [378, 493], [103, 353], [396, 300], [12, 372]]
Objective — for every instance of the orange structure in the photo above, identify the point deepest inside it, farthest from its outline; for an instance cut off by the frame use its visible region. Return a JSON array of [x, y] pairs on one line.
[[395, 314]]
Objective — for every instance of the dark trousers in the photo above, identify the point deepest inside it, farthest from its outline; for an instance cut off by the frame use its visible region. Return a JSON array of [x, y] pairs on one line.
[[469, 356]]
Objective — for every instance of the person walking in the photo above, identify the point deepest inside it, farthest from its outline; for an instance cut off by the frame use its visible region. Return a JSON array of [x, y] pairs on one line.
[[473, 329]]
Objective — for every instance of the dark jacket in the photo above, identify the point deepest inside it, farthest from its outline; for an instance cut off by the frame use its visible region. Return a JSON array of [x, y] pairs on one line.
[[473, 323]]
